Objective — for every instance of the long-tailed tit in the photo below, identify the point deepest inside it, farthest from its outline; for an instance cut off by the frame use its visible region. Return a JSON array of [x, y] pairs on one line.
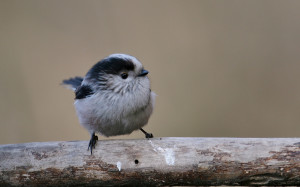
[[114, 97]]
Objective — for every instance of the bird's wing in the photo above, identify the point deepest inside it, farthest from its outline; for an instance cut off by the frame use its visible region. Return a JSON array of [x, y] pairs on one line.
[[83, 91]]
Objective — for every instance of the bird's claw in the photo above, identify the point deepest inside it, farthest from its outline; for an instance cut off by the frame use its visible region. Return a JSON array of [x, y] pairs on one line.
[[147, 135], [93, 142]]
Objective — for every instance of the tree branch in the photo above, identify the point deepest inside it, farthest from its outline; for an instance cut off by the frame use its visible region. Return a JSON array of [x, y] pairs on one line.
[[157, 161]]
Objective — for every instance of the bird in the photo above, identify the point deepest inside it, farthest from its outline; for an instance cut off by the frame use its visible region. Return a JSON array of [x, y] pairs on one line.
[[113, 98]]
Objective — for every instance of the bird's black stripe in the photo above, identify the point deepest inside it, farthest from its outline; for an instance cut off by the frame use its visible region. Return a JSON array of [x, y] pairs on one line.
[[112, 65]]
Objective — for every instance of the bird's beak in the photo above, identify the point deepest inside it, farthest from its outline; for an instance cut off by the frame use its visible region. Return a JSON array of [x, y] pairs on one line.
[[143, 73]]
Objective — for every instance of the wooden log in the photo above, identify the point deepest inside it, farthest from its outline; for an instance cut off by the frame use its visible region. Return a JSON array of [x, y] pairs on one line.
[[157, 161]]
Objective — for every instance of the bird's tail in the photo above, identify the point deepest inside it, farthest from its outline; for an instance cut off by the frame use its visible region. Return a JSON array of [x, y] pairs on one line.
[[72, 83]]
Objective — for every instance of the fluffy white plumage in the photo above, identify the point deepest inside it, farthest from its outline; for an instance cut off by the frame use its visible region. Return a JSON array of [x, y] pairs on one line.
[[114, 98]]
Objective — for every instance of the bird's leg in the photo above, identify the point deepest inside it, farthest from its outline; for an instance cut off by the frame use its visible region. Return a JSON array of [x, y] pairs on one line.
[[147, 135], [93, 142]]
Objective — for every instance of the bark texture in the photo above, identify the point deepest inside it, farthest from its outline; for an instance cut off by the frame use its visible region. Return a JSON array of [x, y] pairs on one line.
[[155, 162]]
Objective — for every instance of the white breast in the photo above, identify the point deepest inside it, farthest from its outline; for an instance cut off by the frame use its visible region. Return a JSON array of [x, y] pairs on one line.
[[112, 115]]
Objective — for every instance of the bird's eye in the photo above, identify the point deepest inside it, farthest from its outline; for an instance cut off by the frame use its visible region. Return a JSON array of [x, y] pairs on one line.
[[124, 75]]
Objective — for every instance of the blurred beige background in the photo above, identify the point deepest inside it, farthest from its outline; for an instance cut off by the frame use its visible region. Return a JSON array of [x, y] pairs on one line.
[[219, 68]]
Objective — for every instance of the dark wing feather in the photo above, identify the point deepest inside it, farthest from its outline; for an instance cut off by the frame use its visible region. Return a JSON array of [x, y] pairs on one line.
[[83, 91]]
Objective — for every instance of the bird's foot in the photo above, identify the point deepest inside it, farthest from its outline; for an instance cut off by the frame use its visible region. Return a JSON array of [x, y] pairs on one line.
[[93, 142], [147, 135]]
